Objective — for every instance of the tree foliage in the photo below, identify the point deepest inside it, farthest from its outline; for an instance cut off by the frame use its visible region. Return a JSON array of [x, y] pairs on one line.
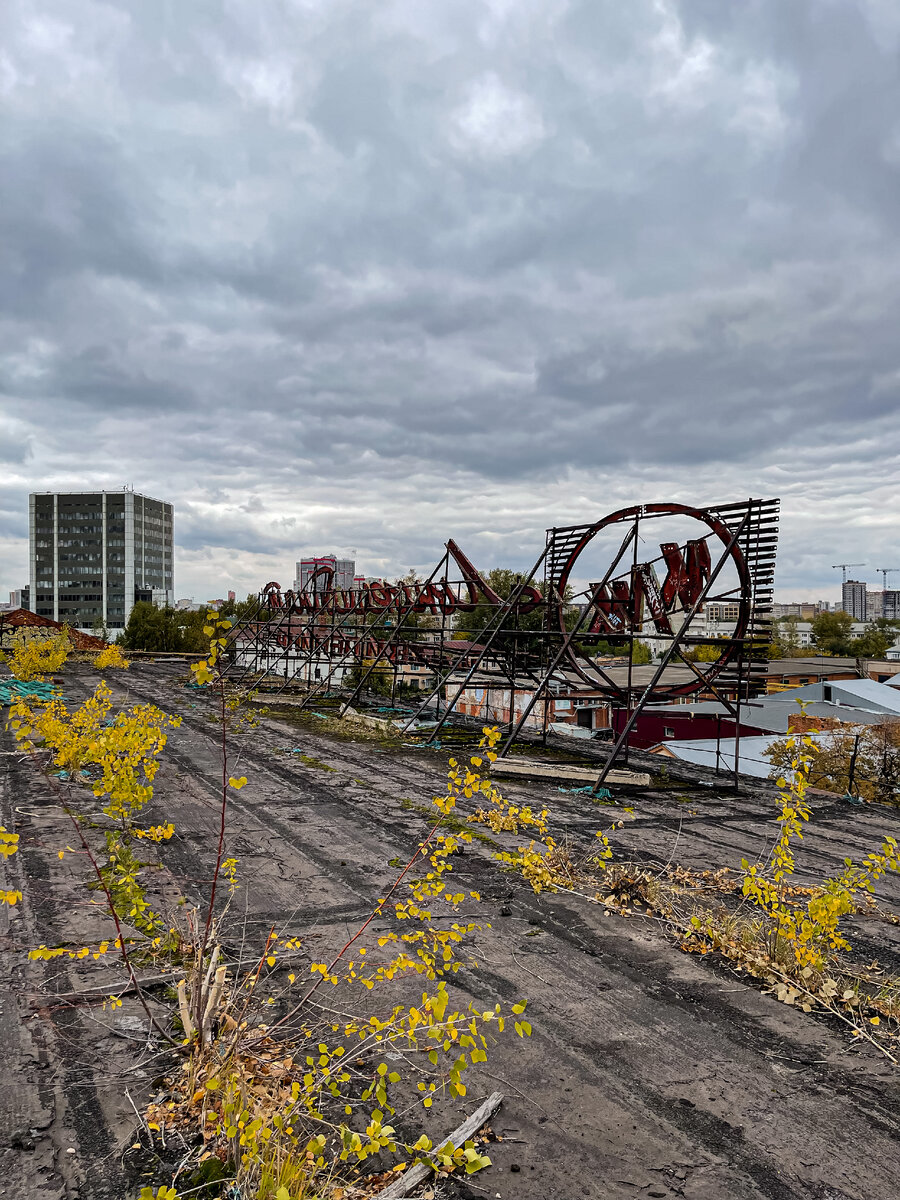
[[785, 641], [236, 610], [812, 934], [875, 641], [703, 653], [876, 771], [832, 633], [504, 582], [164, 629]]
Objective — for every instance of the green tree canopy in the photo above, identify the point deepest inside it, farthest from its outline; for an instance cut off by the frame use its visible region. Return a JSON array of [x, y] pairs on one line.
[[873, 643], [504, 582], [831, 633], [164, 629], [237, 610]]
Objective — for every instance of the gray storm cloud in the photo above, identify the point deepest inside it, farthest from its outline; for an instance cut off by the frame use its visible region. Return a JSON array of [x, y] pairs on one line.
[[401, 271]]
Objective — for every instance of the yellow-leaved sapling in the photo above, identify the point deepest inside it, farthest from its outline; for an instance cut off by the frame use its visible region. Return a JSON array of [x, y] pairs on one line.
[[812, 934], [545, 864], [111, 656], [796, 940], [34, 655], [338, 1070]]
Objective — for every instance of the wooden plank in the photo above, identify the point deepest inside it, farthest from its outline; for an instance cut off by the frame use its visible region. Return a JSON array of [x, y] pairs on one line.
[[526, 769], [404, 1185]]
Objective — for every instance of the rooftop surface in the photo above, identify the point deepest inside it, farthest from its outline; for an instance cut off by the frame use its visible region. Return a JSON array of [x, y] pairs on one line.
[[823, 664], [650, 1073], [862, 693], [713, 753], [772, 713]]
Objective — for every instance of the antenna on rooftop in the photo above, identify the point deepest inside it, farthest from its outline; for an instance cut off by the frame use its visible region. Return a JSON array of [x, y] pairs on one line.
[[843, 567]]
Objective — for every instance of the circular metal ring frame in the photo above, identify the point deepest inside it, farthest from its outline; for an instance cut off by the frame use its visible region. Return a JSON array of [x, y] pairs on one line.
[[707, 671]]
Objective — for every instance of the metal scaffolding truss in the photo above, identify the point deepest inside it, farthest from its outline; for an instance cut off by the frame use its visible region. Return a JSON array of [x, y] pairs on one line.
[[453, 630]]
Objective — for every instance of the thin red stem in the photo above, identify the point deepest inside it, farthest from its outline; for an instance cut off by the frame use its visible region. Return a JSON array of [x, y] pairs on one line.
[[222, 816], [110, 903], [368, 921]]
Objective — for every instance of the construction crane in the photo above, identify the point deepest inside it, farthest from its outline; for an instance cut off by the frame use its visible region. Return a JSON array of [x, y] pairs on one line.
[[843, 567], [884, 572]]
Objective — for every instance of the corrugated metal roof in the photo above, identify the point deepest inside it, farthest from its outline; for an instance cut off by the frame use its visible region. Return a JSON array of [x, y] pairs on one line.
[[773, 713], [703, 753], [861, 693]]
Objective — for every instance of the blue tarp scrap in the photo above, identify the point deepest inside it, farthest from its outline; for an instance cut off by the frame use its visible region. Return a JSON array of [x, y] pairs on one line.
[[602, 794], [13, 690]]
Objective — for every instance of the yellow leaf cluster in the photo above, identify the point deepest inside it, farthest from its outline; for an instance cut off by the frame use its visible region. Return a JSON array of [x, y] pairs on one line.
[[811, 934], [9, 843], [122, 751], [33, 656], [112, 656]]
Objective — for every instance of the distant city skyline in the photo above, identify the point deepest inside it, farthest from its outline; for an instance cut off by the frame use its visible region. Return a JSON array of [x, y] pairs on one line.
[[372, 276], [286, 564]]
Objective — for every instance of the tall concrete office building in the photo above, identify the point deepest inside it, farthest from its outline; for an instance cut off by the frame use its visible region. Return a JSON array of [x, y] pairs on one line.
[[95, 554]]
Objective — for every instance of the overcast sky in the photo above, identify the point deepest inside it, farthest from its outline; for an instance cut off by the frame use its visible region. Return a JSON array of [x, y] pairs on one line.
[[367, 274]]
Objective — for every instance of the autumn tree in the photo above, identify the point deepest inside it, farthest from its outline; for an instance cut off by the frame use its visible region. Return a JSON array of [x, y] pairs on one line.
[[871, 753], [164, 629]]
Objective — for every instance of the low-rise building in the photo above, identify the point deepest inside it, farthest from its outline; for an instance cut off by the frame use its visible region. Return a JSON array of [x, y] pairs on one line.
[[806, 610], [785, 673]]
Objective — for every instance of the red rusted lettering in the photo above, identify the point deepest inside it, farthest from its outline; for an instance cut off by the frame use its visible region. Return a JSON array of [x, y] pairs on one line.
[[686, 582], [644, 586], [612, 614]]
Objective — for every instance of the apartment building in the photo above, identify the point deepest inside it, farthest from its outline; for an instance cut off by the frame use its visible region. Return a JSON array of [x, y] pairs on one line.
[[806, 610], [93, 555], [344, 573], [853, 599]]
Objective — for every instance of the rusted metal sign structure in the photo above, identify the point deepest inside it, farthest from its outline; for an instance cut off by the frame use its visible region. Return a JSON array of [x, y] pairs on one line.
[[645, 574]]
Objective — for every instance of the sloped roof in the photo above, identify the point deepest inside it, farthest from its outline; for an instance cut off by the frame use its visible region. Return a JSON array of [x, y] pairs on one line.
[[863, 693], [772, 713], [21, 618], [702, 752], [871, 692]]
